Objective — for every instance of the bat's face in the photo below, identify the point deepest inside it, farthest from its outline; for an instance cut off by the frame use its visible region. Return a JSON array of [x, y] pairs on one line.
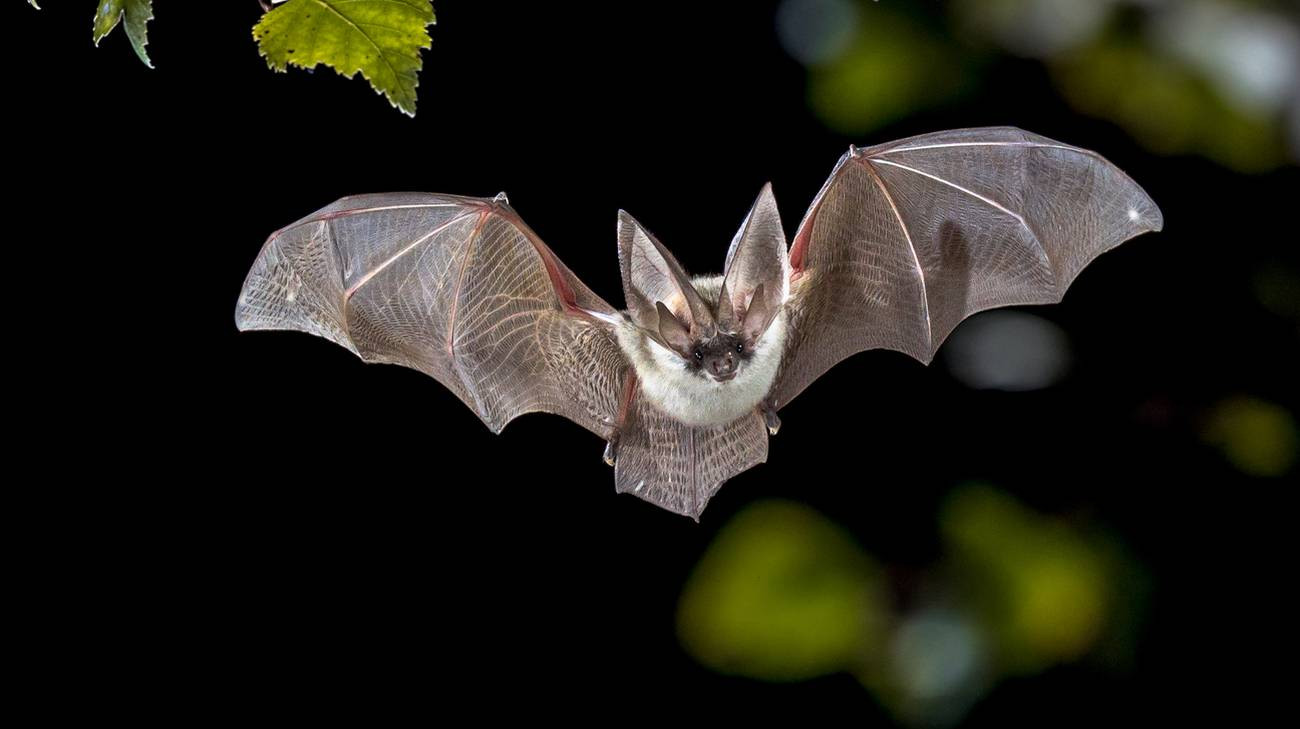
[[720, 358], [715, 325]]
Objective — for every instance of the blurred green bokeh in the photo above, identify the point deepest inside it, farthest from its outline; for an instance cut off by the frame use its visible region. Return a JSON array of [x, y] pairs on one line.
[[784, 594], [1167, 107], [890, 69], [1277, 288], [1218, 78], [1041, 587], [1259, 438]]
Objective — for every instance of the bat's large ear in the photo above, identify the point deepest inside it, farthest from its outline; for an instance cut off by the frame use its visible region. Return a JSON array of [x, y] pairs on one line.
[[756, 280], [651, 275]]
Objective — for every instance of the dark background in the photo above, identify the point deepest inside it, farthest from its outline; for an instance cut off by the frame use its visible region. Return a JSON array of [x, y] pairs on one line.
[[276, 529]]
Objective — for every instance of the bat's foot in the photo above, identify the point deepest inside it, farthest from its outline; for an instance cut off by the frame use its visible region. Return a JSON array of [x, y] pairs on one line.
[[611, 451], [769, 416]]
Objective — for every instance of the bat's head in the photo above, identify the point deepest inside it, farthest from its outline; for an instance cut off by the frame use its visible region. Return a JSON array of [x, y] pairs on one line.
[[715, 324]]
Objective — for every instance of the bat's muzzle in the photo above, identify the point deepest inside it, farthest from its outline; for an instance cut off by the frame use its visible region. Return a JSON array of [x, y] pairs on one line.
[[723, 368]]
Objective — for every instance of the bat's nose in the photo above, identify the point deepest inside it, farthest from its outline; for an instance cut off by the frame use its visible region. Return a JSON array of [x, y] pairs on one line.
[[724, 365]]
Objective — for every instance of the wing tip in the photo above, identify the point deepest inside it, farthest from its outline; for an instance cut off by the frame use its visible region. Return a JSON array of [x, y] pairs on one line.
[[694, 513], [243, 320], [1157, 222], [1146, 217]]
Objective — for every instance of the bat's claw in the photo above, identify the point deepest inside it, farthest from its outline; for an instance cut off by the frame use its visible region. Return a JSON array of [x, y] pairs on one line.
[[769, 416], [611, 451]]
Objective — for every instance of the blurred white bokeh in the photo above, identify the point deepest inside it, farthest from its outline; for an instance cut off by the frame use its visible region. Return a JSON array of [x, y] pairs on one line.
[[1008, 350], [940, 658], [1251, 56], [816, 31]]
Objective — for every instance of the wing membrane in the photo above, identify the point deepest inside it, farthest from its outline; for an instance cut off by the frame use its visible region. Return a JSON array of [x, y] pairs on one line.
[[458, 288], [907, 239]]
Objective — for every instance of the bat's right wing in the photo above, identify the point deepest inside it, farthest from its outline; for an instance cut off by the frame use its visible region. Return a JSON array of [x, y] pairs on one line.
[[456, 287], [460, 289], [906, 239]]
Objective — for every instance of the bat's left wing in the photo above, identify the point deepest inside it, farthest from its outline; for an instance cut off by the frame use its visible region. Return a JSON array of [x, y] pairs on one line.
[[456, 287], [908, 238]]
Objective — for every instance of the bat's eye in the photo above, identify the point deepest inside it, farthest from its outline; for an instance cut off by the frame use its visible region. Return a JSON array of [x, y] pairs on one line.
[[699, 356], [740, 348]]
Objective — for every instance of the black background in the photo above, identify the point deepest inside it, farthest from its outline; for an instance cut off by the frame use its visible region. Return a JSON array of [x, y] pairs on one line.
[[273, 528]]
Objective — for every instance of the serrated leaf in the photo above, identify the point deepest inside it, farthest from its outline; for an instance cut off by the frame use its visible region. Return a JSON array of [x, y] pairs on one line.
[[138, 13], [381, 39]]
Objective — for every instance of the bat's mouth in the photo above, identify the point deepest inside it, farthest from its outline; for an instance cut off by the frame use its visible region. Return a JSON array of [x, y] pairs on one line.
[[724, 378]]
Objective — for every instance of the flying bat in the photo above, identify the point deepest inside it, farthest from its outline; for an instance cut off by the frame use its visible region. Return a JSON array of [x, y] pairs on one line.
[[903, 241]]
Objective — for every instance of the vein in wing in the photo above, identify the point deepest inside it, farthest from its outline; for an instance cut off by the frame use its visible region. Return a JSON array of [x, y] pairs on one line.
[[993, 203], [1066, 147], [460, 284], [405, 249], [349, 212], [458, 367], [920, 273]]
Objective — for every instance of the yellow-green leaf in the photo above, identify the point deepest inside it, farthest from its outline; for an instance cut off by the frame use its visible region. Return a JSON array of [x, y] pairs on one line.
[[381, 39], [137, 13]]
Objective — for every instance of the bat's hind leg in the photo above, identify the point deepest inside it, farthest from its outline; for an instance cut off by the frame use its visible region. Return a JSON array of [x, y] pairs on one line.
[[611, 449], [769, 417], [624, 407]]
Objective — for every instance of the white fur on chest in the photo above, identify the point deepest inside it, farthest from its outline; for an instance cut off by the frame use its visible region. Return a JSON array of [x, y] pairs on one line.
[[666, 382]]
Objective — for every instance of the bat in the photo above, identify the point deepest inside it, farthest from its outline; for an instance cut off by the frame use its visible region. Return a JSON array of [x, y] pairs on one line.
[[903, 241]]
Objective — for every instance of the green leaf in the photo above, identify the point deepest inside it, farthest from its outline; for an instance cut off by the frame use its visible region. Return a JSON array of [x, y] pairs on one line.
[[137, 12], [380, 38]]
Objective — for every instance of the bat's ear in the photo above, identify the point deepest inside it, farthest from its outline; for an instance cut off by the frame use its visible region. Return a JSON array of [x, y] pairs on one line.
[[756, 279], [671, 331], [651, 275]]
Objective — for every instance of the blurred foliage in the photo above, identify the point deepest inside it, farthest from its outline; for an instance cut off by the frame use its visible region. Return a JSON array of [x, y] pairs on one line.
[[890, 68], [1032, 28], [1259, 438], [1219, 78], [784, 594], [1040, 585], [1277, 288], [137, 14], [1166, 106]]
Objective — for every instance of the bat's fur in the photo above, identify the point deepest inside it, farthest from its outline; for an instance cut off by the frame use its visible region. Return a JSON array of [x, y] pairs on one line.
[[668, 382]]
